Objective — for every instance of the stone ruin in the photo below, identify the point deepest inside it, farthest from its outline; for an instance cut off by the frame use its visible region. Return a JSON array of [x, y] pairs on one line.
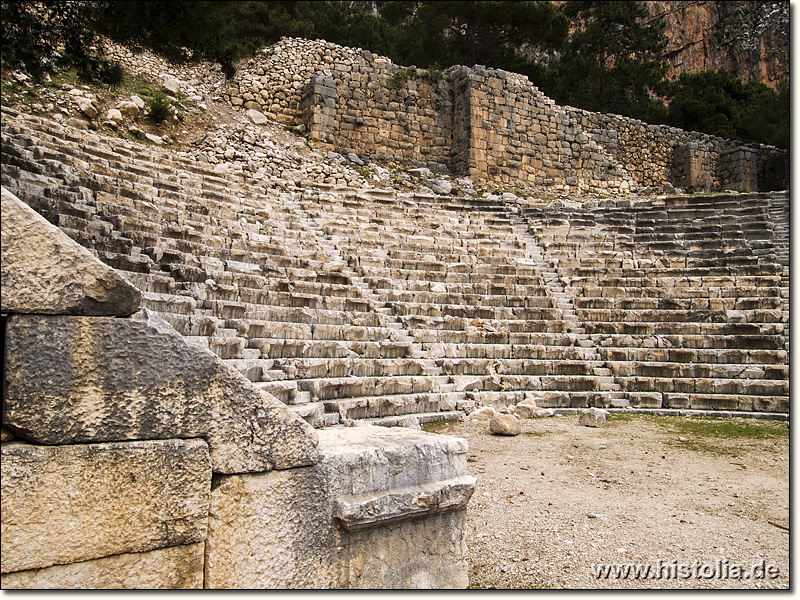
[[182, 348], [487, 124]]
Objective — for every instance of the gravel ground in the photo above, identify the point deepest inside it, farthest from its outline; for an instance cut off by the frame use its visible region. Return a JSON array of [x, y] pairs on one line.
[[559, 498]]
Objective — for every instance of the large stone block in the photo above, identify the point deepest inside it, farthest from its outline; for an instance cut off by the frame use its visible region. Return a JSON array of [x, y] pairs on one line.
[[273, 530], [382, 508], [426, 553], [98, 379], [178, 567], [67, 504], [46, 272]]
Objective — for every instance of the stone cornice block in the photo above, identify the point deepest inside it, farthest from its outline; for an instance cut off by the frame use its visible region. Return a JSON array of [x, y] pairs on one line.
[[45, 272], [100, 379]]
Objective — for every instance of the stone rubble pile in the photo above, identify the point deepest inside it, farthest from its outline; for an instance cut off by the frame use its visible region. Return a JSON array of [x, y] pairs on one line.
[[273, 81]]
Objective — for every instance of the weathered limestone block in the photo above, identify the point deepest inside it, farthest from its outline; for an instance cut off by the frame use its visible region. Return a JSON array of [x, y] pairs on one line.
[[99, 379], [405, 492], [426, 553], [485, 413], [360, 512], [46, 272], [273, 530], [67, 504], [594, 417], [385, 460], [504, 424], [178, 567], [525, 410]]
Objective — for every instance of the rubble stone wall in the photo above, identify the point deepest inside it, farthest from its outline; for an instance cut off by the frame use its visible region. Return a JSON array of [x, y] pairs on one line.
[[485, 123]]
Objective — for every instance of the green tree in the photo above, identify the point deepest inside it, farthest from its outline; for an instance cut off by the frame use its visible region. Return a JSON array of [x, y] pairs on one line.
[[476, 32], [42, 36], [717, 103], [192, 30], [613, 61]]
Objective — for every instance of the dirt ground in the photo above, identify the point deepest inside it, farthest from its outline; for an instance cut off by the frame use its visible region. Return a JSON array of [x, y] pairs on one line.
[[701, 501]]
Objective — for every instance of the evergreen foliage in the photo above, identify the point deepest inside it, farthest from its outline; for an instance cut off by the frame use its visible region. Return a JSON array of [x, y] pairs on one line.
[[159, 107], [611, 62], [470, 33], [40, 37], [720, 104]]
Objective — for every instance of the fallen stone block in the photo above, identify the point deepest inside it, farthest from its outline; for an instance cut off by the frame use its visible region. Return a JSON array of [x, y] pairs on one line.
[[46, 272], [484, 413], [504, 424], [175, 568], [256, 116], [594, 417], [98, 379], [66, 504], [526, 410]]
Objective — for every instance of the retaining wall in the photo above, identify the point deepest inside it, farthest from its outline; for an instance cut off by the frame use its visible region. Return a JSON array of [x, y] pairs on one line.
[[486, 123]]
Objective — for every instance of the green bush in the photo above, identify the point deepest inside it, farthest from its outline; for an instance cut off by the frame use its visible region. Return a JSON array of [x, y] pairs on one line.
[[160, 107], [400, 78]]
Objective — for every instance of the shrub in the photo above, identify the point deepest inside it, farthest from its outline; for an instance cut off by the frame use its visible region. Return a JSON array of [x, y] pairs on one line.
[[400, 78], [160, 108]]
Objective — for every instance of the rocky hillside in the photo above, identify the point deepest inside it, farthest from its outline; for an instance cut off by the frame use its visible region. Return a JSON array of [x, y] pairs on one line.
[[748, 38]]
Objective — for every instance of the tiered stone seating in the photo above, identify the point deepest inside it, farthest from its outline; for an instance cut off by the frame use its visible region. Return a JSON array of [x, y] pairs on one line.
[[458, 276], [683, 301], [230, 267], [375, 304]]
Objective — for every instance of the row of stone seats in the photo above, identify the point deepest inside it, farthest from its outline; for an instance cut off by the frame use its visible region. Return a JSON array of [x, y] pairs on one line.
[[682, 301], [173, 266], [450, 295], [228, 296]]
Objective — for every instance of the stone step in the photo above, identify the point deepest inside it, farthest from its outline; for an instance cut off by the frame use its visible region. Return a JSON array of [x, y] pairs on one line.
[[679, 316], [328, 349], [684, 355], [698, 370], [375, 407], [686, 328], [419, 418], [711, 386], [313, 368]]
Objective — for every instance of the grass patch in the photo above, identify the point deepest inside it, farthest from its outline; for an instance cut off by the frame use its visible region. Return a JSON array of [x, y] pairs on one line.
[[437, 426], [720, 436], [709, 435], [730, 428]]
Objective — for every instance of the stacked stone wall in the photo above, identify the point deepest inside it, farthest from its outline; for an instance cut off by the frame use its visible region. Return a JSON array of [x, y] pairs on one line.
[[486, 123]]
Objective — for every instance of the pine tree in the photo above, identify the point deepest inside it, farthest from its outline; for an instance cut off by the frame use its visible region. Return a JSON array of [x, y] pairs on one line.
[[613, 60], [477, 32]]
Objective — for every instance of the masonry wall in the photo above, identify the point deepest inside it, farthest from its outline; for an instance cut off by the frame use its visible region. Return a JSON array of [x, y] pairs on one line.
[[486, 123]]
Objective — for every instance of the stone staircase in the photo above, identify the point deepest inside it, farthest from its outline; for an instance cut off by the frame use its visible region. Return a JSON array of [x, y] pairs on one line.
[[379, 305]]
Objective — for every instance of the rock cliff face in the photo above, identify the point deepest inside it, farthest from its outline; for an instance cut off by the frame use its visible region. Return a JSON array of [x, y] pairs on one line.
[[750, 39]]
